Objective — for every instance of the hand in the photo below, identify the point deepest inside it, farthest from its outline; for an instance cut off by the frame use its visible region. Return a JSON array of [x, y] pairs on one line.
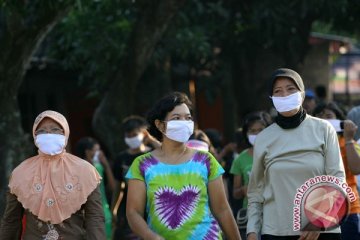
[[149, 139], [230, 147], [252, 236], [309, 235], [103, 159], [349, 130]]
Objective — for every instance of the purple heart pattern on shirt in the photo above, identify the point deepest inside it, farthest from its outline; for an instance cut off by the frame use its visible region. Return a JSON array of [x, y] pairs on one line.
[[173, 207]]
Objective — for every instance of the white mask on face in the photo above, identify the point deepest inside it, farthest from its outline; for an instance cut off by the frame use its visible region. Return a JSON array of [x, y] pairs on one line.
[[288, 103], [336, 124], [50, 144], [96, 157], [135, 142], [179, 130], [252, 138]]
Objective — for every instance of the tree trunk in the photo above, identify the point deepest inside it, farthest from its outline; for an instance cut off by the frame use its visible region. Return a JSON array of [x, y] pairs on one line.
[[230, 104], [154, 18], [18, 42]]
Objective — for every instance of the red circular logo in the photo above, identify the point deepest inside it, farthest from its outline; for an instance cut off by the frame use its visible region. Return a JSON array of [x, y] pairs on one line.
[[326, 206]]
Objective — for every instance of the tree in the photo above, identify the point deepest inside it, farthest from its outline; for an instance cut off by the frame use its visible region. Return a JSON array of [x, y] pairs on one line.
[[228, 47], [23, 26], [128, 33], [148, 29]]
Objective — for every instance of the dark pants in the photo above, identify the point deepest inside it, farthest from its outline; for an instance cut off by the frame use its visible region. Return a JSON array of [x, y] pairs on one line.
[[350, 228], [323, 236]]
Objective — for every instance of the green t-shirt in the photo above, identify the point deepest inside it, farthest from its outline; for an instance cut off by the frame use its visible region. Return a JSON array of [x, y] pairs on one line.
[[177, 200], [242, 166], [106, 207]]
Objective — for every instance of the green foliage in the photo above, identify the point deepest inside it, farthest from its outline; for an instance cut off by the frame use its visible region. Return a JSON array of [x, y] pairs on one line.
[[194, 41], [203, 39], [343, 20], [93, 40]]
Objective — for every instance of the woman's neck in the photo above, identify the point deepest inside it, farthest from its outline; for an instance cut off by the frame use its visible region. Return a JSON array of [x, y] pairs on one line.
[[171, 147]]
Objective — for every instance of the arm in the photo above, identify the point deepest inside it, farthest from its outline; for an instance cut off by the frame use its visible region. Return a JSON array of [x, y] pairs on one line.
[[11, 225], [94, 216], [333, 161], [149, 139], [353, 158], [254, 193], [239, 191], [117, 197], [221, 210], [230, 147], [108, 172], [136, 200]]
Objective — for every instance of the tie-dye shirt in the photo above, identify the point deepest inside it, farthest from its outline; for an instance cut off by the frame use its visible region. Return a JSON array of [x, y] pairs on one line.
[[177, 195]]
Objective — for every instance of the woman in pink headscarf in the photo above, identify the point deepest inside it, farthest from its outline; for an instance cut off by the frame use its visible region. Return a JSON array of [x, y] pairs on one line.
[[57, 192]]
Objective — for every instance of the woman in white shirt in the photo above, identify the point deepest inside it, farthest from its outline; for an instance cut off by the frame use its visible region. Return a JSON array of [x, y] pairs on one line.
[[294, 149]]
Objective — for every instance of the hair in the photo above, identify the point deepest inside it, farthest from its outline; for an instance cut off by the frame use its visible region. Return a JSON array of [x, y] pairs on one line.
[[238, 136], [86, 143], [321, 91], [162, 107], [132, 123], [332, 106], [201, 136], [215, 137], [261, 116]]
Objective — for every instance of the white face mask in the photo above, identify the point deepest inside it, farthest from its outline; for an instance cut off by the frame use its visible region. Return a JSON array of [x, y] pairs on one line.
[[252, 138], [135, 142], [50, 144], [179, 130], [336, 124], [288, 103], [96, 157]]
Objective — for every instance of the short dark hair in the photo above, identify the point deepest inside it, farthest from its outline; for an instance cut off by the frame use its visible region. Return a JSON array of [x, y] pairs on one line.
[[162, 108], [201, 136], [215, 137], [253, 117], [133, 122], [332, 106], [86, 143]]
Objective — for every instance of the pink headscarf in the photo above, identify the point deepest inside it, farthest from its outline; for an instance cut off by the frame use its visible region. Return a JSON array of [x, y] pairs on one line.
[[53, 187]]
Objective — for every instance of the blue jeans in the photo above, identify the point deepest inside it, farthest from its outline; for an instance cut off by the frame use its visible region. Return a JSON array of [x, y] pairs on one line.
[[350, 228]]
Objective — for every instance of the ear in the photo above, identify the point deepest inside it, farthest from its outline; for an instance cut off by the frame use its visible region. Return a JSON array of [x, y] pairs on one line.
[[160, 125]]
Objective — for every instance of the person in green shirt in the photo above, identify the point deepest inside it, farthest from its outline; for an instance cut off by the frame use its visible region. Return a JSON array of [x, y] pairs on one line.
[[89, 149], [254, 123]]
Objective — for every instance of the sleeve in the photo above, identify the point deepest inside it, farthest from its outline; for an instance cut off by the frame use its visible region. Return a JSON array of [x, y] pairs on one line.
[[11, 225], [333, 162], [255, 191], [215, 168], [236, 166], [94, 216], [136, 169], [357, 147]]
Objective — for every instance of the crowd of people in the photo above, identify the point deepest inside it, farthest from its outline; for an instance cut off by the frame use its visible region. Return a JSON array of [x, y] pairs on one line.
[[177, 182]]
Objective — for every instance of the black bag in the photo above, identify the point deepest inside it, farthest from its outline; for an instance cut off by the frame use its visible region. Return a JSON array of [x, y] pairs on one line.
[[241, 218]]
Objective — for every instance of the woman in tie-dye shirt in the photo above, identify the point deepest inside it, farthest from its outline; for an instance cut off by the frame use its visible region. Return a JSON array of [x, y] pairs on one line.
[[180, 188]]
